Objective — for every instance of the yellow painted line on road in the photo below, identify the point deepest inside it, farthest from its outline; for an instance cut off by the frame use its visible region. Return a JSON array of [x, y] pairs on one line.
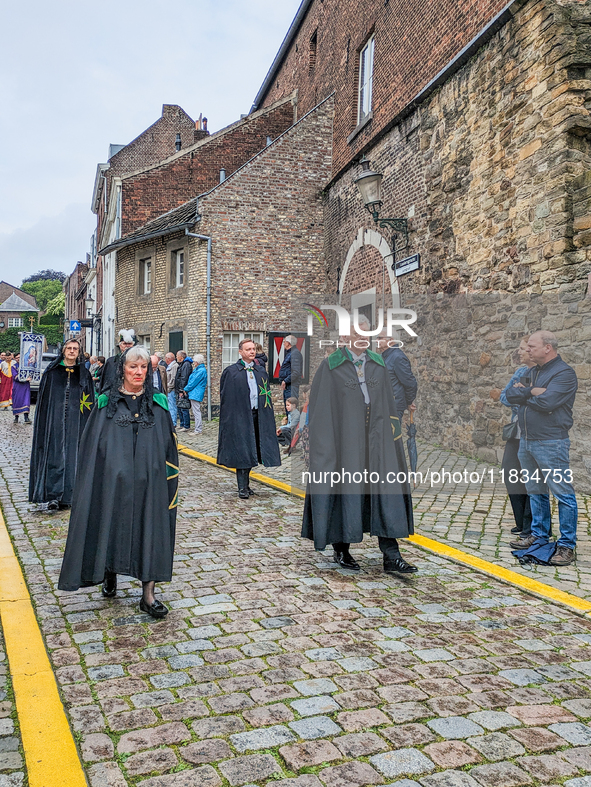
[[50, 752], [504, 574]]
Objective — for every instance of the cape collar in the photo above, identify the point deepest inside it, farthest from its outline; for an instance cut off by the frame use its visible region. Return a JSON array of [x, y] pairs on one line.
[[342, 354]]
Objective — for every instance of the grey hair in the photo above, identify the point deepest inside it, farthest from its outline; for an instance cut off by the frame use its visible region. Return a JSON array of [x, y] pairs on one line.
[[548, 338], [199, 359], [291, 339], [137, 352], [363, 319]]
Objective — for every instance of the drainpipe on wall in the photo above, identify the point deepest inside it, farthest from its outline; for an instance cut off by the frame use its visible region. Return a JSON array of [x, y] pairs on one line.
[[207, 315]]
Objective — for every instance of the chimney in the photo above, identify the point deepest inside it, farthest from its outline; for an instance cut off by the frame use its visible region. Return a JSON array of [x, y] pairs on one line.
[[200, 128]]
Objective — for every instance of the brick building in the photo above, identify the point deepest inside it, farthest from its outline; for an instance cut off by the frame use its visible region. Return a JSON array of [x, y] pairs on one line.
[[13, 304], [267, 246], [478, 115], [169, 163]]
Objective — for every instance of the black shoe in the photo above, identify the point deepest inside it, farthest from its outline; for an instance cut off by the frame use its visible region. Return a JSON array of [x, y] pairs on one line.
[[344, 560], [53, 505], [109, 585], [27, 420], [16, 419], [399, 566], [250, 491], [156, 609], [243, 494], [516, 529]]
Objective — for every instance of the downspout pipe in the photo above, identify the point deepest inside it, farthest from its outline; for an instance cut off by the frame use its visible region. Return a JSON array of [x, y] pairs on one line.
[[207, 315]]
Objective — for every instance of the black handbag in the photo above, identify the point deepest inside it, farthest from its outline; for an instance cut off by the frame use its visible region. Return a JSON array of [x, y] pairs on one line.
[[511, 431], [183, 402]]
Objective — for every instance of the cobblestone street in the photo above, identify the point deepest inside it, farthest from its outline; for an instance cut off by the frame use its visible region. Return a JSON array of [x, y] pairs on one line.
[[276, 668]]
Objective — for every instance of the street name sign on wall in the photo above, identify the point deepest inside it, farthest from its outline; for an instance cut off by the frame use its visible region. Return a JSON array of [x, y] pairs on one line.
[[407, 265]]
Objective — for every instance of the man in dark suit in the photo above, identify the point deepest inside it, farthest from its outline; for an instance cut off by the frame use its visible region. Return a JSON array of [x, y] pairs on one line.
[[291, 371], [247, 422], [404, 383]]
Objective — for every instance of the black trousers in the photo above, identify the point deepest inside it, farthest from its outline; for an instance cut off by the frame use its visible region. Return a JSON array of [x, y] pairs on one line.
[[518, 496], [388, 546], [242, 474]]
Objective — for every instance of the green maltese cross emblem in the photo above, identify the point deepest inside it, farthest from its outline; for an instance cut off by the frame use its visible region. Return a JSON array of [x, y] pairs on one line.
[[84, 402], [265, 391]]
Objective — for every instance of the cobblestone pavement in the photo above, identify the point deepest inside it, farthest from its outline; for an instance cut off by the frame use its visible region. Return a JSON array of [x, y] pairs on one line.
[[474, 517], [11, 756], [276, 668]]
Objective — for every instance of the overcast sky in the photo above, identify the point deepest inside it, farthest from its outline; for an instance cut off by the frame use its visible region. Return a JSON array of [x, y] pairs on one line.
[[76, 76]]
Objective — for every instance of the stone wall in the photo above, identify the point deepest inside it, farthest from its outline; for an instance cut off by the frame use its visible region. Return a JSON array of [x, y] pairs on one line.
[[493, 171]]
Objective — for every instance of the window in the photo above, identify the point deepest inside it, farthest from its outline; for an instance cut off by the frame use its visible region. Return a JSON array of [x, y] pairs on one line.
[[365, 79], [15, 322], [231, 342], [175, 341], [178, 268], [145, 340], [146, 276], [313, 52]]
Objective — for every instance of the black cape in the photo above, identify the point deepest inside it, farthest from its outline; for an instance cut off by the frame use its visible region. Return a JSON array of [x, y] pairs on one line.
[[124, 514], [237, 446], [108, 374], [340, 441], [64, 403]]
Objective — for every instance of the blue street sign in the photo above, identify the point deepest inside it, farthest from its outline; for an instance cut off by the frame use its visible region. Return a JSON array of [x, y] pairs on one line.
[[75, 326]]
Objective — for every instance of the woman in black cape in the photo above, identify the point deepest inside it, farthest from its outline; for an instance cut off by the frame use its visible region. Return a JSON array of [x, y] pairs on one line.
[[124, 513]]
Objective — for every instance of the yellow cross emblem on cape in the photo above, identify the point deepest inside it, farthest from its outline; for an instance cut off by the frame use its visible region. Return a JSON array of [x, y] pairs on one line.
[[84, 402]]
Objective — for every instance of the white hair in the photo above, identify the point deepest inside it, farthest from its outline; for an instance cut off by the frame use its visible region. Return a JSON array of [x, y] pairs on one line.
[[199, 359], [292, 340], [363, 319], [137, 352]]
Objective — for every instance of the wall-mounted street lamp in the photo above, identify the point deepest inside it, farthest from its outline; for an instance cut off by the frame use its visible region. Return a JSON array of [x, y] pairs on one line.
[[369, 184]]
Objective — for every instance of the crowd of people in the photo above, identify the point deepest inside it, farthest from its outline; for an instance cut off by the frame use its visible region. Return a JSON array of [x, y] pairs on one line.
[[104, 444]]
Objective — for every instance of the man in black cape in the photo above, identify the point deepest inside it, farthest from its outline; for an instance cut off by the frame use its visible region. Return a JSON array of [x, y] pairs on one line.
[[64, 402], [127, 339], [124, 514], [247, 434], [358, 480]]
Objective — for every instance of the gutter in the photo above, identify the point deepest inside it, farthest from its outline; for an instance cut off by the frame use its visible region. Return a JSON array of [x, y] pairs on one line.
[[207, 316], [287, 42], [140, 238]]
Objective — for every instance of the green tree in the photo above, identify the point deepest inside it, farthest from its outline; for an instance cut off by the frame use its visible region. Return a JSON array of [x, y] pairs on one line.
[[46, 274], [57, 306], [43, 290]]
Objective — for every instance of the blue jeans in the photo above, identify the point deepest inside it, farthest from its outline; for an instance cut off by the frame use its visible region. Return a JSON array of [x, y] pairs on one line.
[[172, 407], [550, 459], [185, 418]]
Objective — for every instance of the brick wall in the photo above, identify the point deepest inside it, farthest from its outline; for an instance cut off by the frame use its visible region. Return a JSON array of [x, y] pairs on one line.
[[494, 171], [413, 42], [6, 291], [161, 188], [266, 222]]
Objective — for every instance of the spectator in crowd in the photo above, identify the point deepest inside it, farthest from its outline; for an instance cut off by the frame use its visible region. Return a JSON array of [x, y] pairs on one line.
[[260, 357], [403, 381], [195, 389], [98, 371], [185, 367], [171, 370], [301, 434], [127, 339], [247, 422], [93, 365], [355, 436], [64, 402], [87, 360], [516, 490], [6, 362], [158, 375], [21, 393], [285, 433], [124, 514], [291, 371], [545, 396]]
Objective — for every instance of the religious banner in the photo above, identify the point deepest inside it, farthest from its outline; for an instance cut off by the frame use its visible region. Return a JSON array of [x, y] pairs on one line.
[[277, 354], [31, 357]]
